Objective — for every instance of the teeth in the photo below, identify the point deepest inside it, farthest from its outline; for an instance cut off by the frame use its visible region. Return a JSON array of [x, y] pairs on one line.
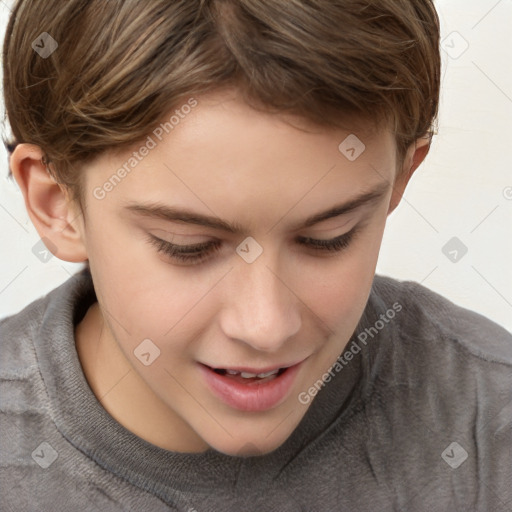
[[247, 375], [263, 375]]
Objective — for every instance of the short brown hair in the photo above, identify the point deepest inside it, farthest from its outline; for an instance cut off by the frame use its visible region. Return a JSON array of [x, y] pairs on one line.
[[121, 65]]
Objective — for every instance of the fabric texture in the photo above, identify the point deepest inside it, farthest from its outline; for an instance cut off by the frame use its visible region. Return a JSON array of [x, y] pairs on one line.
[[417, 418]]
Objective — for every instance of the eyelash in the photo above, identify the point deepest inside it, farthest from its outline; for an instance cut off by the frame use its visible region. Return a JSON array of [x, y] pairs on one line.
[[195, 254]]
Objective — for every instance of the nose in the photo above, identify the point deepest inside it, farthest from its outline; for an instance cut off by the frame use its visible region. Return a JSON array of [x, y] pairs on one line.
[[260, 308]]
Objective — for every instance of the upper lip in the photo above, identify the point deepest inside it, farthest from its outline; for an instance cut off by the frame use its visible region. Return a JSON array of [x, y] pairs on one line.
[[248, 369]]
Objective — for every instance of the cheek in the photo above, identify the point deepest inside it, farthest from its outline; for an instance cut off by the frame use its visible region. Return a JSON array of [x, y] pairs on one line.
[[143, 295], [341, 301], [338, 291]]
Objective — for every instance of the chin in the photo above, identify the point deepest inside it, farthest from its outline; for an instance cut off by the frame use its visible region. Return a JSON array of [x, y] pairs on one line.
[[245, 448]]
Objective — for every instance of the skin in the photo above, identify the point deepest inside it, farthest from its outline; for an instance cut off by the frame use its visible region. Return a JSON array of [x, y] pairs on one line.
[[291, 303]]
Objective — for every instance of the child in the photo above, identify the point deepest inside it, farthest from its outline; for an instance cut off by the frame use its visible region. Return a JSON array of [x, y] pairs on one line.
[[225, 169]]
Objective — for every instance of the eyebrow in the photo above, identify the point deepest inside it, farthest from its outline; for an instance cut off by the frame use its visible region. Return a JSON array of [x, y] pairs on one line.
[[170, 213]]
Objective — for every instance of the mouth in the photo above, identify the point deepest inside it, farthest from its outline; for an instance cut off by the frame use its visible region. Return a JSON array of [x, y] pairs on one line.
[[249, 377], [251, 391]]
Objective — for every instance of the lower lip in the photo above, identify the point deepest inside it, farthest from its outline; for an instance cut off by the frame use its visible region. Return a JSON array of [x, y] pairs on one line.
[[252, 396]]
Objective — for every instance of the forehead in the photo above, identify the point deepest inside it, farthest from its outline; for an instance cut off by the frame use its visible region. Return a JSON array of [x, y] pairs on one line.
[[224, 156], [223, 118], [227, 112]]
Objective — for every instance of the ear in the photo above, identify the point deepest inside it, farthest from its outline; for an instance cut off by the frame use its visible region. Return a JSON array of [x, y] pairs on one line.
[[413, 158], [49, 206]]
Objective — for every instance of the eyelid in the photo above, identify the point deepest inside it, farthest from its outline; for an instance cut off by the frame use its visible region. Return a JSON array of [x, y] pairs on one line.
[[197, 253], [169, 236], [171, 233], [183, 247], [189, 254], [347, 237], [338, 226], [317, 234]]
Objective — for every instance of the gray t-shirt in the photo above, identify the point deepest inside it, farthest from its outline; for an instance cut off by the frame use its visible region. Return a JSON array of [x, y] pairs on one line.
[[416, 415]]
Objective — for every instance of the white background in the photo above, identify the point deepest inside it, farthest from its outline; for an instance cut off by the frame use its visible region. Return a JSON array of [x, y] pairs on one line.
[[463, 189]]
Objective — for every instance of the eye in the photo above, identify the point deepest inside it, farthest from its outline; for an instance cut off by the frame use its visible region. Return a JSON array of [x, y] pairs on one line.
[[332, 245], [194, 254], [185, 253]]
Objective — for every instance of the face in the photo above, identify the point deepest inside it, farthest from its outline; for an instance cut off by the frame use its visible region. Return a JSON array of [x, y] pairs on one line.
[[255, 286]]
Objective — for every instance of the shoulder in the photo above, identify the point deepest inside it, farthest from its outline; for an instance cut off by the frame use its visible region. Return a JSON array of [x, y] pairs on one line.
[[24, 336], [443, 368], [427, 315], [440, 379], [17, 333], [437, 361]]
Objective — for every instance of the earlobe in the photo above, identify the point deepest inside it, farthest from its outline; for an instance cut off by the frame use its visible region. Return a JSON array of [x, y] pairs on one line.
[[48, 204], [414, 157]]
